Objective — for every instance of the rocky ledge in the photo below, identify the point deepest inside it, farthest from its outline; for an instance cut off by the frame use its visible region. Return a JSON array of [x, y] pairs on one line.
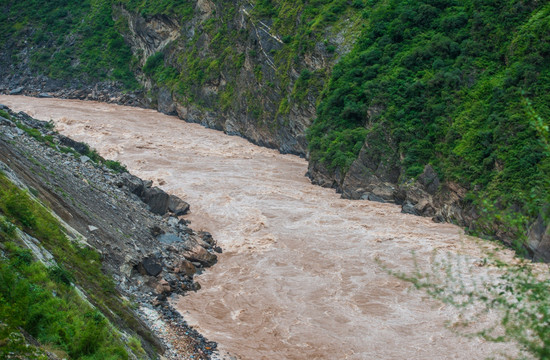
[[145, 244], [45, 87]]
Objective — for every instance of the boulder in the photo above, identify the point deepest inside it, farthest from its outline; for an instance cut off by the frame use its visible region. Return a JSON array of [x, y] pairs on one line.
[[16, 91], [409, 208], [150, 266], [169, 239], [163, 287], [160, 287], [156, 231], [429, 180], [165, 103], [79, 147], [185, 267], [177, 205], [132, 183], [197, 253], [373, 197], [207, 237], [157, 200], [172, 221]]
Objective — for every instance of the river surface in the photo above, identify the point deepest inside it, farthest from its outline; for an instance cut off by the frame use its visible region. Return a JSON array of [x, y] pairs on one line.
[[301, 274]]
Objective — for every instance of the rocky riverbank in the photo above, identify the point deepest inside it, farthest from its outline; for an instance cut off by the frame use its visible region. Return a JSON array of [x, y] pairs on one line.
[[145, 244], [25, 83], [429, 196]]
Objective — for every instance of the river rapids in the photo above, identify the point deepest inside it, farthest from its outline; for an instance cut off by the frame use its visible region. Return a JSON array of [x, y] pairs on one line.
[[304, 273]]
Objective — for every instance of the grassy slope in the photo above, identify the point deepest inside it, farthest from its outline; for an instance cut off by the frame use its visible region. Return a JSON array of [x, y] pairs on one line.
[[41, 300]]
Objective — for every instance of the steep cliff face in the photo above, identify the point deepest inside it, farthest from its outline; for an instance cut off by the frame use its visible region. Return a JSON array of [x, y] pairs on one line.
[[251, 69], [441, 107], [228, 67]]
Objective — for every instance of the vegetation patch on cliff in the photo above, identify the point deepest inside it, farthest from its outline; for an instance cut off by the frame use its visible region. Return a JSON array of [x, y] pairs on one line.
[[68, 40], [460, 85]]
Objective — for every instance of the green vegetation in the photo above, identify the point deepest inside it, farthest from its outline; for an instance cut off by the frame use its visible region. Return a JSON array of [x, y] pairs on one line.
[[42, 300], [33, 298], [300, 26], [460, 85], [82, 41], [94, 156], [36, 134], [181, 9], [5, 115], [115, 166], [98, 159], [71, 40], [519, 294]]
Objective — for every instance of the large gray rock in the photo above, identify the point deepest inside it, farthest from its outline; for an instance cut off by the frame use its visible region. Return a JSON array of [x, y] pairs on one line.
[[77, 146], [157, 200], [429, 180], [200, 255], [150, 266], [177, 205], [169, 238], [165, 103], [409, 208], [133, 184], [16, 91], [196, 253]]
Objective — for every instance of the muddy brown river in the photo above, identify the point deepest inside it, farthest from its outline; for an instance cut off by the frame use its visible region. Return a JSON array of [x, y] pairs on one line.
[[301, 274]]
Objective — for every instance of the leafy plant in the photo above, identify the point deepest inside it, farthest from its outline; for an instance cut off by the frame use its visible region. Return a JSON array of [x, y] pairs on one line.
[[115, 166], [518, 293]]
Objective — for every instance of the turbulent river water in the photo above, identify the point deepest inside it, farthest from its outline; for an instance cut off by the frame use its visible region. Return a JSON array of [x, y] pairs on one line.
[[301, 276]]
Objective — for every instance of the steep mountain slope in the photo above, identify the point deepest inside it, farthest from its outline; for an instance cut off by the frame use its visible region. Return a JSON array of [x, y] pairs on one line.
[[439, 105], [253, 70], [454, 95]]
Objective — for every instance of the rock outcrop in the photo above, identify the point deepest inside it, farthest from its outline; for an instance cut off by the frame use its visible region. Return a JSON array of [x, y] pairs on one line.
[[426, 196]]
